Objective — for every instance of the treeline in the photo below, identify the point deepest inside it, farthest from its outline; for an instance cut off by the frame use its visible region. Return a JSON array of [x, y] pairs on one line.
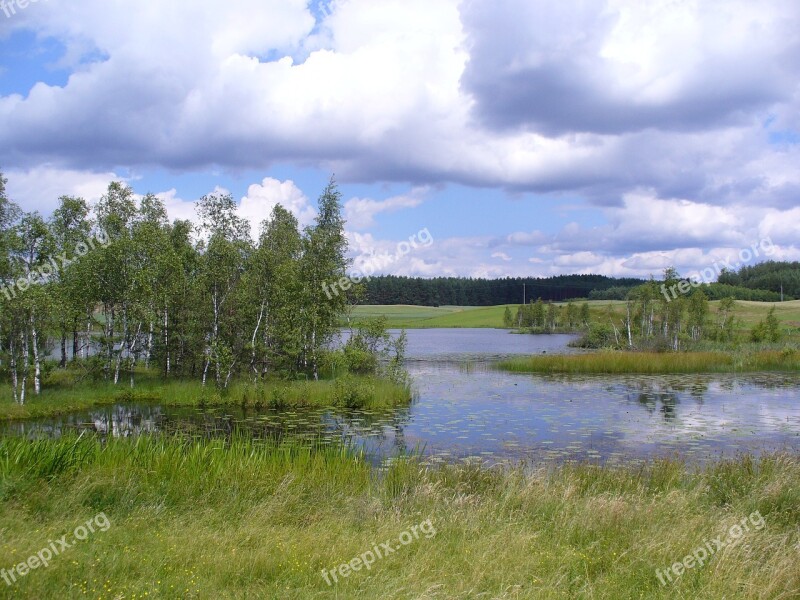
[[123, 287], [714, 291], [460, 291], [770, 275]]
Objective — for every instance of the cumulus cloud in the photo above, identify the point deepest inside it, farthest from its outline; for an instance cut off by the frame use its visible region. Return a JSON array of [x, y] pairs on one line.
[[677, 120], [39, 188], [613, 67], [360, 213], [261, 199], [599, 98]]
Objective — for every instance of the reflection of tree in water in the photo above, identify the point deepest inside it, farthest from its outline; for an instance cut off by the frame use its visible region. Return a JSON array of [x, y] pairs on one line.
[[663, 396], [116, 421], [313, 425], [125, 421], [668, 402], [376, 427]]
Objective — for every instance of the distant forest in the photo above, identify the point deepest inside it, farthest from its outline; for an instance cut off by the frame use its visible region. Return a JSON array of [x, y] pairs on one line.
[[457, 291], [770, 275], [760, 282]]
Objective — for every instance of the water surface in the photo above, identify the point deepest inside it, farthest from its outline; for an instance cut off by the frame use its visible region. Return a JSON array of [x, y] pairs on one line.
[[465, 409]]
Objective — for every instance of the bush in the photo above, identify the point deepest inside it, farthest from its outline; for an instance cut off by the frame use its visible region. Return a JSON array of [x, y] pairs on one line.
[[600, 335], [359, 360], [349, 392], [767, 330]]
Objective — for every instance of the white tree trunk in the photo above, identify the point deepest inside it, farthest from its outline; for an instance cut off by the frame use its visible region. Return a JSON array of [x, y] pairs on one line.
[[628, 323], [149, 345], [122, 343], [166, 339], [37, 365], [253, 341], [88, 336], [13, 365], [25, 366]]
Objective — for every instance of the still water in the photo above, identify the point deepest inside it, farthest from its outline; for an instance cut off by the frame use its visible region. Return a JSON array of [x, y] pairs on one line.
[[465, 409]]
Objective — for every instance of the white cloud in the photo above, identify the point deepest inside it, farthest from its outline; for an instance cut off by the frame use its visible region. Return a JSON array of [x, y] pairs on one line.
[[659, 113], [360, 213], [40, 188], [262, 198], [176, 207]]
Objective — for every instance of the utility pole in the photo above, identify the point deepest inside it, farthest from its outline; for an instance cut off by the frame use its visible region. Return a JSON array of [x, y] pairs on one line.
[[523, 294]]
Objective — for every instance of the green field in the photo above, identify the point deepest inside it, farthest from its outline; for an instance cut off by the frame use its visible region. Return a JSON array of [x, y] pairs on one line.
[[422, 317], [419, 317], [243, 519]]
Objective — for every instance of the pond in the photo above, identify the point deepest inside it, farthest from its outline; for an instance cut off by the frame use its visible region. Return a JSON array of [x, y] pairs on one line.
[[464, 409]]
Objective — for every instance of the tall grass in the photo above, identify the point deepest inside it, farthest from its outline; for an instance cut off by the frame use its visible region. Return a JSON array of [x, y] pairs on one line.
[[208, 519], [617, 362], [352, 392]]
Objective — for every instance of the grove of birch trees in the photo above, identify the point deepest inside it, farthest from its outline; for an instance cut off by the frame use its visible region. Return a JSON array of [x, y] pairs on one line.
[[111, 288]]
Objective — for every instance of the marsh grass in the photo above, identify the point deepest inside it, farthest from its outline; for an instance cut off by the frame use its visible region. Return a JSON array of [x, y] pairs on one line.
[[618, 362], [350, 392], [246, 519]]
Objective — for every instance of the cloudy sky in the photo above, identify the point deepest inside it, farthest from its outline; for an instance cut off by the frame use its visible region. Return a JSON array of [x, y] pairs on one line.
[[529, 137]]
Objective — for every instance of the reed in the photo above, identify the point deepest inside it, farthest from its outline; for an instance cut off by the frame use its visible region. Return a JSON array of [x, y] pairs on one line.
[[351, 392], [619, 362]]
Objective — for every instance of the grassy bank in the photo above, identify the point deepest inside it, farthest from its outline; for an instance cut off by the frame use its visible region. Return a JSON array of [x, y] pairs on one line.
[[199, 520], [428, 317], [351, 392], [419, 317], [617, 362]]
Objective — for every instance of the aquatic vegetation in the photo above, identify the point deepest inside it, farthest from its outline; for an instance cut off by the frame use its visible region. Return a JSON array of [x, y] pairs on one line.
[[655, 362]]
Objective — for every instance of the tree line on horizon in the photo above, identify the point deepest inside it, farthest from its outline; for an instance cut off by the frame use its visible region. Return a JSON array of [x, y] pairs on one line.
[[463, 291], [762, 283]]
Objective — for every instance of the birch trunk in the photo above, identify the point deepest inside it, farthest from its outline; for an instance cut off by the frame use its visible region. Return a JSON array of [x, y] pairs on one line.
[[13, 365], [166, 340], [25, 366], [37, 365]]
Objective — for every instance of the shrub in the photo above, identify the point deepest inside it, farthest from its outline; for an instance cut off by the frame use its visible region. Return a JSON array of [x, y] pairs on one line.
[[352, 393]]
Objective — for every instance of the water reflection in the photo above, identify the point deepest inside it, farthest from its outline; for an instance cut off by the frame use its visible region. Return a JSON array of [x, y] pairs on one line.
[[496, 416], [466, 409]]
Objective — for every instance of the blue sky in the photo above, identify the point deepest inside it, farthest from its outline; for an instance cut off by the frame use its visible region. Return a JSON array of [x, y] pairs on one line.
[[528, 137]]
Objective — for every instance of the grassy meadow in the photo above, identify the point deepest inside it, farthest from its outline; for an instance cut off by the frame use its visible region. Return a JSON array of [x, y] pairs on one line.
[[428, 317], [207, 519], [419, 317]]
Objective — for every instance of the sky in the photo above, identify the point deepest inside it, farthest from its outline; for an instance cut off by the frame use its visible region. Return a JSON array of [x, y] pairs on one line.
[[527, 137]]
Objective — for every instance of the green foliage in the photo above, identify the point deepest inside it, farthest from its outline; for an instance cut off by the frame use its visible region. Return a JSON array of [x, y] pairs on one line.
[[184, 512], [769, 275], [219, 308], [350, 392], [508, 318], [767, 330], [600, 335], [458, 291]]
